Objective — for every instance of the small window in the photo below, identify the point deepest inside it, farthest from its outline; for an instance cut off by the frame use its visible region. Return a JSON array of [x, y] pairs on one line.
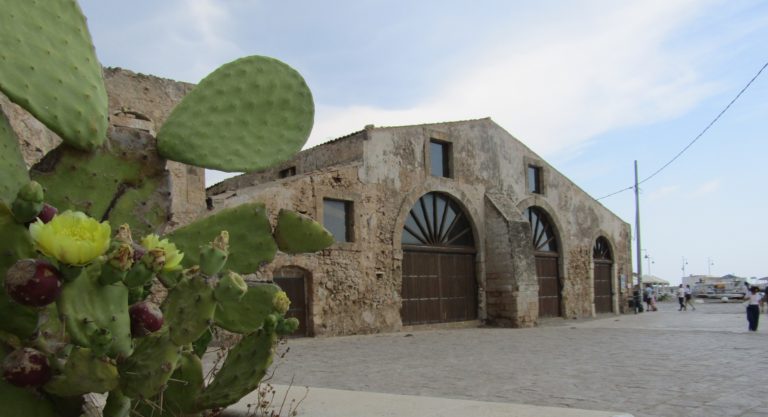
[[337, 219], [288, 172], [534, 179], [440, 158]]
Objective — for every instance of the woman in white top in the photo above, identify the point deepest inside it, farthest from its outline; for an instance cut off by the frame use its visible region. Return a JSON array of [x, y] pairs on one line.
[[753, 308]]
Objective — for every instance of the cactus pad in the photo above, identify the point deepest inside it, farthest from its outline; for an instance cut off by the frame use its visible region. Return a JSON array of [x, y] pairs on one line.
[[89, 308], [118, 405], [188, 310], [13, 171], [248, 314], [83, 373], [145, 373], [250, 238], [184, 386], [242, 371], [123, 181], [49, 67], [247, 115], [23, 402], [297, 233]]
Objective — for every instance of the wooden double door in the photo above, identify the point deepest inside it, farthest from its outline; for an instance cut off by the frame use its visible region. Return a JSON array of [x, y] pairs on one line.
[[603, 287], [550, 289], [438, 287]]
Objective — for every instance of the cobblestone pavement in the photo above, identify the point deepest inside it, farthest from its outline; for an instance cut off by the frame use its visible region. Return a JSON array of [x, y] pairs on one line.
[[666, 363]]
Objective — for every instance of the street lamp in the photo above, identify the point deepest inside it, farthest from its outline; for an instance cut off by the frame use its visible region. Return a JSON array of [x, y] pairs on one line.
[[685, 262], [650, 261], [710, 262]]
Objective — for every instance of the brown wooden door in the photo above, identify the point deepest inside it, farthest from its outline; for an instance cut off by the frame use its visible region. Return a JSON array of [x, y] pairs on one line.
[[603, 288], [549, 286], [438, 287], [294, 287]]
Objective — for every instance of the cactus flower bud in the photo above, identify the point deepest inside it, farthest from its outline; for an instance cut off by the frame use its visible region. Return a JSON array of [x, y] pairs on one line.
[[231, 288], [281, 302], [119, 261], [26, 367], [287, 326], [214, 255], [123, 234], [33, 282], [146, 318], [28, 203]]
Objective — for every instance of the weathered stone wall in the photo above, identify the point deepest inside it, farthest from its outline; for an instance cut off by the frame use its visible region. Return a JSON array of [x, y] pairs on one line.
[[356, 285], [135, 101]]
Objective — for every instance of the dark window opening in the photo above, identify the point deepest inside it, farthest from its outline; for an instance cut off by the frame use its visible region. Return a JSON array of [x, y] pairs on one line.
[[440, 159], [288, 172], [544, 239], [337, 219], [436, 220], [534, 179]]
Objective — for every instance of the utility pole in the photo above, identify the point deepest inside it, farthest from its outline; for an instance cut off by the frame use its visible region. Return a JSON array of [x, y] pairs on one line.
[[685, 262], [637, 235], [710, 262]]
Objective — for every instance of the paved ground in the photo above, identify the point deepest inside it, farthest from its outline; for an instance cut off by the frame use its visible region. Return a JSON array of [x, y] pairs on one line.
[[666, 363]]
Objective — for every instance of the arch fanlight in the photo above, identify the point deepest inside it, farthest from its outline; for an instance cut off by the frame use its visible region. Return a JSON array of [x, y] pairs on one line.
[[544, 239], [602, 250], [437, 220]]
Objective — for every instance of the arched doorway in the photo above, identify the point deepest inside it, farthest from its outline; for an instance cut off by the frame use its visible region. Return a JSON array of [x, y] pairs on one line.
[[293, 280], [439, 282], [545, 249], [603, 260]]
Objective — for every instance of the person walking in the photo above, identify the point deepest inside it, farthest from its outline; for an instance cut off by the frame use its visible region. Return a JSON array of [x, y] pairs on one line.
[[681, 298], [689, 297], [753, 308], [649, 298]]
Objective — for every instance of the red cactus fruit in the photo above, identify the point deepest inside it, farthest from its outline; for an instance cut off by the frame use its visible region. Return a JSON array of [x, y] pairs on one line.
[[26, 367], [33, 282], [47, 213], [146, 318]]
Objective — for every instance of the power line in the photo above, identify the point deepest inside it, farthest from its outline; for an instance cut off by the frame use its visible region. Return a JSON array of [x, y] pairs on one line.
[[694, 139]]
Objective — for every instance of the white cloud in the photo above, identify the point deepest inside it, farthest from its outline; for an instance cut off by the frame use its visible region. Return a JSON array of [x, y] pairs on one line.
[[558, 83], [708, 187], [662, 192]]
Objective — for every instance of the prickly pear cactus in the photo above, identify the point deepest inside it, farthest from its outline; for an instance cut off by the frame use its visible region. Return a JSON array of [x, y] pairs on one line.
[[75, 279]]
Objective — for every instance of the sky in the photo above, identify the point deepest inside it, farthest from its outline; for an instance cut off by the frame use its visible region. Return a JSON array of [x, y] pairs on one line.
[[591, 86]]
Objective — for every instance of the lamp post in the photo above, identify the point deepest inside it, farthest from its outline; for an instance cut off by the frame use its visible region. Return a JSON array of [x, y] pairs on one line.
[[649, 260], [685, 262], [710, 262]]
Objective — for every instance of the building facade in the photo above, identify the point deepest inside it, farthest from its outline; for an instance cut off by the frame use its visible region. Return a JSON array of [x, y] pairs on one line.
[[439, 223]]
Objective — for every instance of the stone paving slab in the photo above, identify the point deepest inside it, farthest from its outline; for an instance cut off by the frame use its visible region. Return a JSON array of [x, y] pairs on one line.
[[665, 363]]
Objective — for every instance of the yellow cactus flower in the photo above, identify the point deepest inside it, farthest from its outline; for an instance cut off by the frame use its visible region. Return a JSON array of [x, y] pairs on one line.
[[281, 302], [172, 255], [71, 237]]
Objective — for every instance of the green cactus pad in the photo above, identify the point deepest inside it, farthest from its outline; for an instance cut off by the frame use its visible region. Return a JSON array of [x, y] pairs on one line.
[[49, 67], [13, 171], [297, 233], [23, 402], [83, 373], [15, 244], [118, 405], [123, 181], [247, 115], [86, 305], [250, 237], [188, 310], [184, 386], [248, 314], [242, 371], [145, 373]]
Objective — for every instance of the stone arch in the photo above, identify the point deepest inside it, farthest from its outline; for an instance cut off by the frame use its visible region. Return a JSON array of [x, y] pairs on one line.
[[603, 261], [296, 281], [438, 279], [549, 263]]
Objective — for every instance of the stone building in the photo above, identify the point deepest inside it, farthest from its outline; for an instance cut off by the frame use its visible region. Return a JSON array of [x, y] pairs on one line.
[[439, 223]]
